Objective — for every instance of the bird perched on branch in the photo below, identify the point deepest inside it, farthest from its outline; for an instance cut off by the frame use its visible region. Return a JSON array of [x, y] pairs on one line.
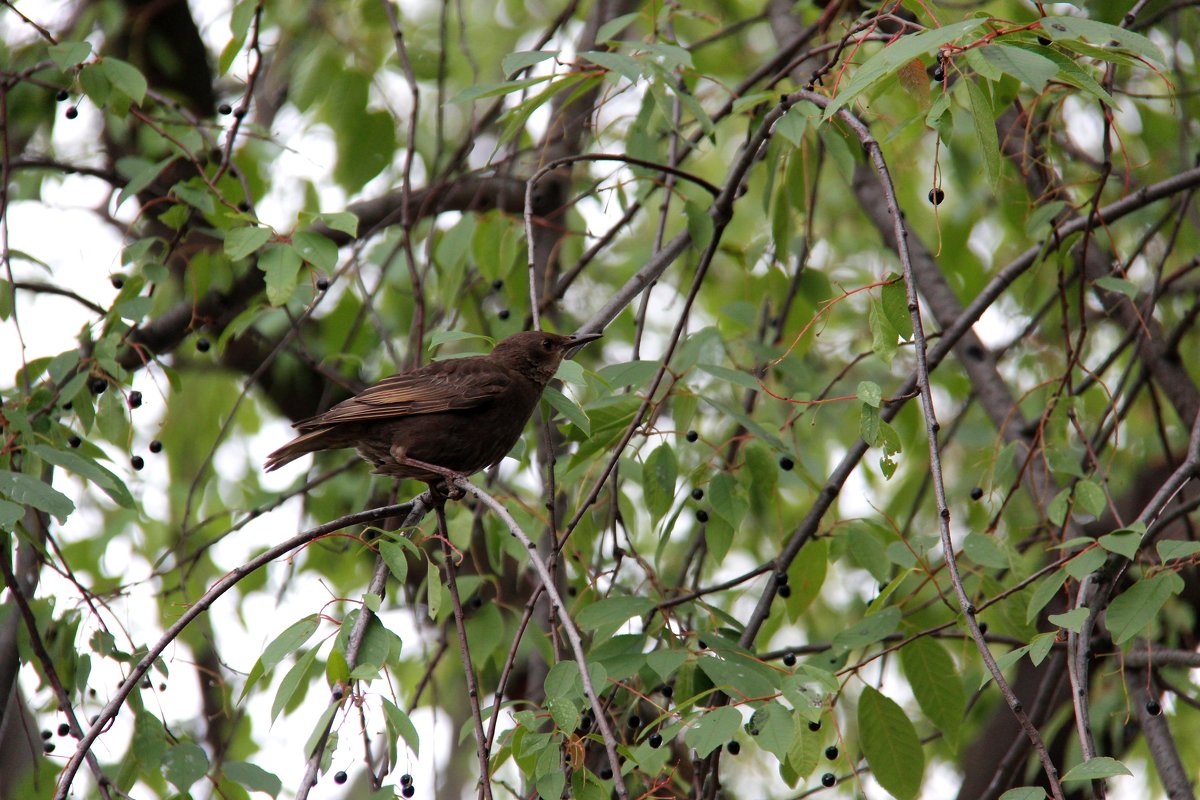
[[443, 420]]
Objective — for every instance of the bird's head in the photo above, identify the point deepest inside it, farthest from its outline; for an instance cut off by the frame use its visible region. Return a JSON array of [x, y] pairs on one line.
[[537, 354]]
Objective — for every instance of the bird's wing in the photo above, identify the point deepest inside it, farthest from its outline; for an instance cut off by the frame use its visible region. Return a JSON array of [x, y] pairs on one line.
[[453, 385]]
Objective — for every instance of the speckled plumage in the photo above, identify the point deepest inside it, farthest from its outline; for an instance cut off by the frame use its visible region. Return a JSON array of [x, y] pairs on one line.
[[461, 414]]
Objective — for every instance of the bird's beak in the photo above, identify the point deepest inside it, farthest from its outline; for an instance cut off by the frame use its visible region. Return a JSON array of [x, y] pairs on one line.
[[577, 341]]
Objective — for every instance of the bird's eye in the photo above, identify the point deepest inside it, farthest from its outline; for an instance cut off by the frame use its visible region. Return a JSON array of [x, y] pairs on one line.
[[548, 344]]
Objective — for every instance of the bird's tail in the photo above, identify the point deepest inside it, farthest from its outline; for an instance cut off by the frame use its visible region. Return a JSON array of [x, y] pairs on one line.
[[301, 445]]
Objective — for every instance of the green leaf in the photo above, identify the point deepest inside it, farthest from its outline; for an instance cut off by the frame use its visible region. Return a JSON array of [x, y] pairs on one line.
[[316, 250], [897, 54], [1102, 34], [400, 725], [615, 26], [394, 556], [895, 307], [1090, 498], [1024, 793], [774, 729], [515, 62], [1170, 549], [659, 474], [252, 777], [625, 66], [1072, 620], [1095, 769], [566, 406], [295, 679], [712, 730], [1031, 69], [113, 486], [985, 130], [280, 264], [1043, 593], [184, 764], [868, 630], [94, 82], [985, 551], [1135, 608], [67, 54], [1124, 542], [934, 679], [241, 242], [612, 612], [1085, 563], [318, 730], [28, 490], [890, 744], [343, 221], [483, 90], [870, 393], [869, 425], [280, 647], [126, 78], [1120, 285]]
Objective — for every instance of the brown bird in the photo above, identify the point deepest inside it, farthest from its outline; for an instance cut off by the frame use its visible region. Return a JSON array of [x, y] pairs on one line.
[[445, 419]]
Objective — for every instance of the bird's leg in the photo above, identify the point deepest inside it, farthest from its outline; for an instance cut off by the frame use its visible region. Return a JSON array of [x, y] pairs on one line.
[[452, 491]]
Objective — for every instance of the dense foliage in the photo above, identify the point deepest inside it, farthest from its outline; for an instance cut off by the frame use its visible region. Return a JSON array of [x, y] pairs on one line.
[[880, 482]]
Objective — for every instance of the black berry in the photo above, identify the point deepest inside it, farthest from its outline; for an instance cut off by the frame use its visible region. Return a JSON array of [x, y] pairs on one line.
[[831, 752], [936, 196], [74, 441], [785, 591], [497, 284], [781, 578], [702, 516], [64, 729], [734, 747], [634, 721], [406, 779], [98, 385], [135, 399], [697, 494], [227, 109], [408, 791], [203, 344], [48, 747], [322, 284], [983, 629], [61, 95], [240, 112], [789, 659], [339, 777], [585, 723], [72, 112], [155, 446], [938, 73], [692, 436], [606, 773], [46, 734], [67, 406], [667, 692], [655, 740], [786, 464], [976, 493], [703, 644], [1153, 708], [503, 313], [137, 462], [476, 602], [117, 282], [146, 684], [828, 779], [814, 726]]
